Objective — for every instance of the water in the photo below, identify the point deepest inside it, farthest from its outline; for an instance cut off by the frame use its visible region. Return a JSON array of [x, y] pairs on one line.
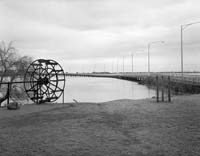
[[87, 89]]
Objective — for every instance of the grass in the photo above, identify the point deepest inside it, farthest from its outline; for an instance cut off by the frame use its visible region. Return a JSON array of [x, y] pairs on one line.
[[116, 128]]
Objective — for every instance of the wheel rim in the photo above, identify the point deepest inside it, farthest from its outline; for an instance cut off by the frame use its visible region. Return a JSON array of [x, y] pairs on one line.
[[44, 81]]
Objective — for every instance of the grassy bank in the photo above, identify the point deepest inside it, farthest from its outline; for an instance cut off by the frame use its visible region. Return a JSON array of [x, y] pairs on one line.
[[116, 128]]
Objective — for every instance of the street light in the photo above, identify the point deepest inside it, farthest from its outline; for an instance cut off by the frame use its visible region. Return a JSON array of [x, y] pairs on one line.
[[182, 28], [132, 59], [117, 64], [149, 44], [132, 62], [112, 66], [123, 64]]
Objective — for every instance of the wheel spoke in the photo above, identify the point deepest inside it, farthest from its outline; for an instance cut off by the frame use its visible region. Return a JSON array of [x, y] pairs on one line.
[[55, 86], [33, 86], [44, 80]]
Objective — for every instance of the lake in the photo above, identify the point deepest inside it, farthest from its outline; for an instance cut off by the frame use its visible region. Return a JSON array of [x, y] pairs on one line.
[[90, 89]]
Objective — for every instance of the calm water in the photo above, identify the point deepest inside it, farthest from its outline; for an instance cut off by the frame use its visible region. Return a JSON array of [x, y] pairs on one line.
[[86, 89]]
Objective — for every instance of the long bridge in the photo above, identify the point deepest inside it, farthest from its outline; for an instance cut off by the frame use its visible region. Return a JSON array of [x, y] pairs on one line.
[[190, 78]]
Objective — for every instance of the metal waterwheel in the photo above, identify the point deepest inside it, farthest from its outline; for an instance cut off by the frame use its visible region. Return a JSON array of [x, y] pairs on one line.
[[46, 81]]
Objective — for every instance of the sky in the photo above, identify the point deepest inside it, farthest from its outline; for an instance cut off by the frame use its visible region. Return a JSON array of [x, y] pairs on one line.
[[95, 35]]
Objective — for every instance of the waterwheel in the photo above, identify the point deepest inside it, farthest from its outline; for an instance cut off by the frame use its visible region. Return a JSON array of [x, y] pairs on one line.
[[44, 81]]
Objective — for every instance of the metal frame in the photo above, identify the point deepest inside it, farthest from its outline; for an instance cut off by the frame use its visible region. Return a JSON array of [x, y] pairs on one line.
[[42, 81]]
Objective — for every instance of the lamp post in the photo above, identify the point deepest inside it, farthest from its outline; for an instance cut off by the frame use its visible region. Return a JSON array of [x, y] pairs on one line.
[[182, 28], [117, 64], [123, 64], [112, 66], [132, 61], [94, 68], [132, 58], [149, 44]]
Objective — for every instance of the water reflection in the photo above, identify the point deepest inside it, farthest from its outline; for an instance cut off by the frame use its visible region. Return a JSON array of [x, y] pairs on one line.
[[86, 89]]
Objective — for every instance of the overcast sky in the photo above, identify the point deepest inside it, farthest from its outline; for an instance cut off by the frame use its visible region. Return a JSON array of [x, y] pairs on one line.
[[87, 35]]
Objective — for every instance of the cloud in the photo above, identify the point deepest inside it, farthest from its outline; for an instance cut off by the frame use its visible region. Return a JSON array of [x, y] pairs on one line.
[[73, 31]]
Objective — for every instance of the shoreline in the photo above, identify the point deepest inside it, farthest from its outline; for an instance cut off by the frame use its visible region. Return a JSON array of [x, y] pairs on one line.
[[34, 108], [120, 127]]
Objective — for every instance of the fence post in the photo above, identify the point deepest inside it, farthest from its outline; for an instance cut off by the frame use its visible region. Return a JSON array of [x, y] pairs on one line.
[[63, 96], [37, 94], [8, 94], [169, 89], [162, 89], [157, 89]]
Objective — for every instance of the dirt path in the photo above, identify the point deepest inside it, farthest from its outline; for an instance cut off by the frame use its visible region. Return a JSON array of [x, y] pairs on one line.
[[116, 128]]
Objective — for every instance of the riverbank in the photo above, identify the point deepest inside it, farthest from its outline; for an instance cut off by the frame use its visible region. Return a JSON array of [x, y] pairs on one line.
[[115, 128]]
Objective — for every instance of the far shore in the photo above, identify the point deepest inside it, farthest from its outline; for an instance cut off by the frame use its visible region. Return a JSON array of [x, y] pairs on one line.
[[115, 128]]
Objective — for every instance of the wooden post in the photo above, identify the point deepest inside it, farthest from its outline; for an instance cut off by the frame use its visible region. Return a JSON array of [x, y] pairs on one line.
[[157, 89], [37, 94], [162, 89], [169, 89], [63, 100], [8, 94]]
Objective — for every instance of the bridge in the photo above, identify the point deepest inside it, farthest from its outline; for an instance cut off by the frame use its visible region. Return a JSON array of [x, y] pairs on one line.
[[189, 78]]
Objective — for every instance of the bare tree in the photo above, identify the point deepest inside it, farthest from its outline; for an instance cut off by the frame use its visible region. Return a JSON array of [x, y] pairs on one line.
[[7, 53], [11, 64]]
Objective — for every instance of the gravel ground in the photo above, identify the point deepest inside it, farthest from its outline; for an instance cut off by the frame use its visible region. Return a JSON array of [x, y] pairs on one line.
[[115, 128]]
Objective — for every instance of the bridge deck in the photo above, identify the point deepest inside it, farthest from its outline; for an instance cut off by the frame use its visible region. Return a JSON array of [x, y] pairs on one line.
[[187, 78]]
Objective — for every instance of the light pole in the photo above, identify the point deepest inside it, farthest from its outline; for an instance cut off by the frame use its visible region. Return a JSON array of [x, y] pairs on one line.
[[132, 61], [94, 68], [117, 64], [123, 64], [112, 65], [149, 44], [182, 28]]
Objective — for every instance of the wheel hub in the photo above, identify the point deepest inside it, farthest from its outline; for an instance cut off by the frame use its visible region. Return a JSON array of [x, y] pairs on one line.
[[43, 81]]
